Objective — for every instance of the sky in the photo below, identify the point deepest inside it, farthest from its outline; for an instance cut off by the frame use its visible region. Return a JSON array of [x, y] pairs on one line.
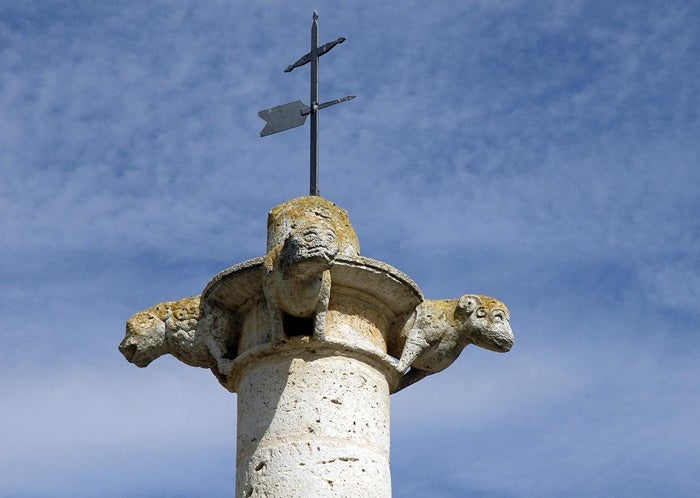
[[545, 153]]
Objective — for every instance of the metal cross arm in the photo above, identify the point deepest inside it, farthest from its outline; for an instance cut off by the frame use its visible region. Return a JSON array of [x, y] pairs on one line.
[[286, 116], [319, 52]]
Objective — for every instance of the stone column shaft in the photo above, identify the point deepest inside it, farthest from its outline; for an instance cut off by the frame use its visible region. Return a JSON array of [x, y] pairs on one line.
[[313, 422]]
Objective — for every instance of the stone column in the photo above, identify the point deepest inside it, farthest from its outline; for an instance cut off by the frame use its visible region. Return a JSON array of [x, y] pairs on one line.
[[314, 338], [313, 422], [313, 412]]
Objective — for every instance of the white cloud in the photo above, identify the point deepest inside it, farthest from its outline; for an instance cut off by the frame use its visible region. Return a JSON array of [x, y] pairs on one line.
[[76, 423], [544, 153]]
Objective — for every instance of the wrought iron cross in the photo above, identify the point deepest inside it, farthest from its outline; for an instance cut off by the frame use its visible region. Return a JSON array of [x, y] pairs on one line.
[[286, 116]]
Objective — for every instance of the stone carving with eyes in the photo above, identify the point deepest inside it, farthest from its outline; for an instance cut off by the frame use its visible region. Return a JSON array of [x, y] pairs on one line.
[[196, 333], [297, 278], [438, 331]]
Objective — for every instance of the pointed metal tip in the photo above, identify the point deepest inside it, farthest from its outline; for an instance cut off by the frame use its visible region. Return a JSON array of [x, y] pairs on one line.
[[315, 15]]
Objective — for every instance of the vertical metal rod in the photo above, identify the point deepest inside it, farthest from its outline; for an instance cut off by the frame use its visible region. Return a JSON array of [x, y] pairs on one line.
[[313, 152]]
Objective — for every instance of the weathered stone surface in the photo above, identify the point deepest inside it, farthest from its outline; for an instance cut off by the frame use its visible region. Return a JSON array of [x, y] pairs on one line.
[[196, 333], [368, 300], [313, 423], [439, 330], [297, 278], [311, 210], [314, 337], [304, 237]]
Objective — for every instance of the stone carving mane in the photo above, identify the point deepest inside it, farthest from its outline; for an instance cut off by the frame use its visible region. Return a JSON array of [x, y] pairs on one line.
[[438, 331], [196, 333]]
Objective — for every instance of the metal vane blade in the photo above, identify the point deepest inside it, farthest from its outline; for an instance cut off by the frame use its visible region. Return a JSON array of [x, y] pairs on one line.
[[284, 117]]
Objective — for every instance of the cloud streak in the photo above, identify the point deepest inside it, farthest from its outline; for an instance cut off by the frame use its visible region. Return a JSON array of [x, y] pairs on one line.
[[542, 153]]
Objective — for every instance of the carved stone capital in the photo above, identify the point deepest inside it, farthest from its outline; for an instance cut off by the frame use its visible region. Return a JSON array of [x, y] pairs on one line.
[[314, 338]]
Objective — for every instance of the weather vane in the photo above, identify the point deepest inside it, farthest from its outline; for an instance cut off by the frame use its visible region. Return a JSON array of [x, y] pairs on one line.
[[286, 116]]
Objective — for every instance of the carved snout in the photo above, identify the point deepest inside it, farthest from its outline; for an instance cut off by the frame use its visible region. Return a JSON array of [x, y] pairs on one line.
[[128, 350], [144, 339], [132, 353], [499, 339], [309, 251]]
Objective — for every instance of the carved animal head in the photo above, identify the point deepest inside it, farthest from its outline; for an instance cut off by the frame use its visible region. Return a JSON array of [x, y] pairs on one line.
[[310, 245], [308, 210], [487, 320], [148, 331], [145, 336]]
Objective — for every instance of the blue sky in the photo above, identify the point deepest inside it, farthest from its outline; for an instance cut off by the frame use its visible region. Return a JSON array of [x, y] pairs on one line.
[[545, 153]]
